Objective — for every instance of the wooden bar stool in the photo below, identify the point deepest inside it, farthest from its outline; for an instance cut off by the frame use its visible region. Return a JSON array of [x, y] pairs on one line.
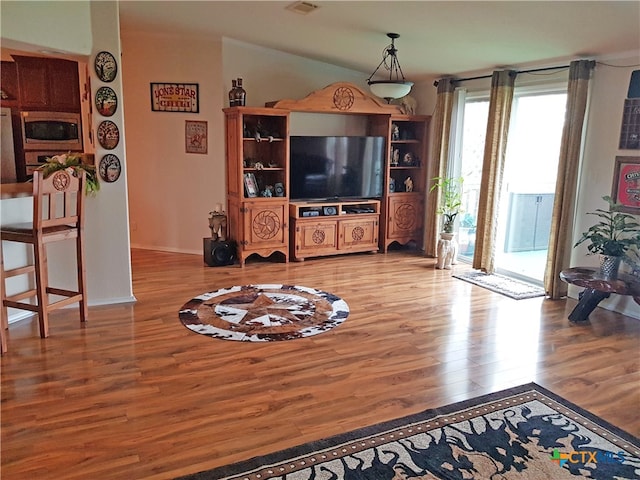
[[58, 214]]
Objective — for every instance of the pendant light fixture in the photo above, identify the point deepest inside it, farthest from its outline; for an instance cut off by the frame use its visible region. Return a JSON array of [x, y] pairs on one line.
[[396, 86]]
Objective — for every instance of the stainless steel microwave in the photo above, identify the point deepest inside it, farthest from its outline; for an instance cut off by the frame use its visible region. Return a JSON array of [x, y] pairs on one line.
[[51, 131]]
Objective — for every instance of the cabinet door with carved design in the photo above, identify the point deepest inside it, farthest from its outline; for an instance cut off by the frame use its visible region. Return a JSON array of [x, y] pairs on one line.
[[314, 238], [358, 235], [405, 218], [265, 225]]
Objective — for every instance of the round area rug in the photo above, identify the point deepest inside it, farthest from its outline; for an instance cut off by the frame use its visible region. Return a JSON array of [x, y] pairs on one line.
[[263, 313]]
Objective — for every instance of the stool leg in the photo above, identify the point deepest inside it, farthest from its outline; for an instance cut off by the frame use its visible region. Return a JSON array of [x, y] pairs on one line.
[[5, 316], [42, 278], [82, 276]]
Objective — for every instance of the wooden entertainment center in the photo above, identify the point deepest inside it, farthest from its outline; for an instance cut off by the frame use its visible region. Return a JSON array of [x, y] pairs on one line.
[[332, 228], [262, 218]]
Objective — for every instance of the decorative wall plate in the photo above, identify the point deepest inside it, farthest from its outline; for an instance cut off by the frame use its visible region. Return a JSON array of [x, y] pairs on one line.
[[106, 66], [106, 101], [109, 168], [108, 134]]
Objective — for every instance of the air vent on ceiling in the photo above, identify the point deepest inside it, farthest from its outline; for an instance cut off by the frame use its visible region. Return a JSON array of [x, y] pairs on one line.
[[302, 8]]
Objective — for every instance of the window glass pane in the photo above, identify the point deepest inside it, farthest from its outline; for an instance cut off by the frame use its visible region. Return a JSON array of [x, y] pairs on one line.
[[528, 187], [474, 132]]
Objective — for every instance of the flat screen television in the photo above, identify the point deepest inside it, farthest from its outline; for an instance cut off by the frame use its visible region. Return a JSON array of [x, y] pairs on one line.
[[324, 168]]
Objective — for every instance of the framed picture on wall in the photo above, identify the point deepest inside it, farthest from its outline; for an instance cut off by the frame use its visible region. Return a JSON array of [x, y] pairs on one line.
[[174, 97], [195, 136], [626, 184]]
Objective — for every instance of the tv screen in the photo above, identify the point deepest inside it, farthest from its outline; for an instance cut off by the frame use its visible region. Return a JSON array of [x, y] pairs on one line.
[[336, 167]]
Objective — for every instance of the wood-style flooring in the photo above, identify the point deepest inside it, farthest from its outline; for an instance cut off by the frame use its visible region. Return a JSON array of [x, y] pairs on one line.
[[136, 395]]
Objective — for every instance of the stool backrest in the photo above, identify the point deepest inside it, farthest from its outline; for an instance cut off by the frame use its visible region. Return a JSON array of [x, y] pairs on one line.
[[58, 199]]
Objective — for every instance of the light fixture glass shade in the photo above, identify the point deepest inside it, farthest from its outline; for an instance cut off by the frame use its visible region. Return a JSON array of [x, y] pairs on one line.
[[389, 89], [396, 86]]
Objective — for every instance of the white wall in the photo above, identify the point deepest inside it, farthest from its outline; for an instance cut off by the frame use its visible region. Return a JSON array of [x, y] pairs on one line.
[[172, 192], [60, 26], [107, 224], [609, 87]]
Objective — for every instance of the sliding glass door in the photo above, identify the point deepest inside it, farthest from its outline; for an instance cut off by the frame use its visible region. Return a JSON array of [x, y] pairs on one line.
[[528, 188], [526, 200]]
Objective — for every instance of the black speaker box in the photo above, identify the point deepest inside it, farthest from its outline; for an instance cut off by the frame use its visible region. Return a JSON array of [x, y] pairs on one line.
[[218, 253]]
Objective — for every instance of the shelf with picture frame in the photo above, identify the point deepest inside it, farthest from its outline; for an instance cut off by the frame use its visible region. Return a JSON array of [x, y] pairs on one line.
[[257, 159]]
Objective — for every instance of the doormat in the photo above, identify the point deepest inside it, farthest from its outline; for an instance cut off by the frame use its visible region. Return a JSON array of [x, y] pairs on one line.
[[263, 313], [525, 432], [510, 287]]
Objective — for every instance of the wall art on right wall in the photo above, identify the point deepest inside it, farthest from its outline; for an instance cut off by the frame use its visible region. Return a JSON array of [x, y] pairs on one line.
[[630, 129], [625, 190]]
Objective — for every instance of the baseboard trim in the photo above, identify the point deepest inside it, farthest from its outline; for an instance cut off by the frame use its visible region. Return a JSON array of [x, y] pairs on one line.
[[23, 314], [166, 249]]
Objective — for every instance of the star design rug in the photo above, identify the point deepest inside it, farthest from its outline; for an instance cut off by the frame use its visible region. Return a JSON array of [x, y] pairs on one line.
[[263, 313]]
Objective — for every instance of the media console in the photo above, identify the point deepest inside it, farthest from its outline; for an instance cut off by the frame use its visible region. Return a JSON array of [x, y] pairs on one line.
[[259, 180], [333, 228]]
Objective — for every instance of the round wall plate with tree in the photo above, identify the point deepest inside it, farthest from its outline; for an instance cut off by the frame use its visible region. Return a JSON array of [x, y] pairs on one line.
[[106, 66], [106, 101], [110, 168], [108, 135]]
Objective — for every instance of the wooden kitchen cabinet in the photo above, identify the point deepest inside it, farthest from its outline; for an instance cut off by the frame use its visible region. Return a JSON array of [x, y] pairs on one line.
[[9, 84], [48, 84]]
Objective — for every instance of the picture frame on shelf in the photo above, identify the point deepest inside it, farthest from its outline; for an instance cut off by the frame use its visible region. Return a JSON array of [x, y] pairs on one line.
[[250, 185], [625, 190]]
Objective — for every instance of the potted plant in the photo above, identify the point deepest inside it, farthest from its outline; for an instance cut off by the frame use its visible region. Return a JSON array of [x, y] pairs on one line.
[[450, 205], [450, 199], [74, 162], [612, 237]]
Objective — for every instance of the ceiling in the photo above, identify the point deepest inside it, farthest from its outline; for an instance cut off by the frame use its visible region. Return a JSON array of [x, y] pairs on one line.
[[436, 37]]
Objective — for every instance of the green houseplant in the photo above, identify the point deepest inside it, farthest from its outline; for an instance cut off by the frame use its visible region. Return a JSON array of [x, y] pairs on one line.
[[450, 199], [74, 162], [612, 236]]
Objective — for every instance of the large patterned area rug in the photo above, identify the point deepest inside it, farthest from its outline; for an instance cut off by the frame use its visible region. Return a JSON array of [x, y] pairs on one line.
[[510, 287], [525, 432], [263, 313]]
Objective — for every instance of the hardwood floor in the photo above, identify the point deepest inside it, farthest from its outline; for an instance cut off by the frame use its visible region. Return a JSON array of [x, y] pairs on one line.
[[134, 394]]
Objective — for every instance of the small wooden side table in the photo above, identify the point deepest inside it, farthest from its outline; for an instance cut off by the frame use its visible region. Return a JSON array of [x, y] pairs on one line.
[[597, 288]]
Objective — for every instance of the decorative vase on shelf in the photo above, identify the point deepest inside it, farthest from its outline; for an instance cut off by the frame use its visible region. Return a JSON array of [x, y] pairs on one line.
[[609, 266], [241, 94], [232, 93]]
